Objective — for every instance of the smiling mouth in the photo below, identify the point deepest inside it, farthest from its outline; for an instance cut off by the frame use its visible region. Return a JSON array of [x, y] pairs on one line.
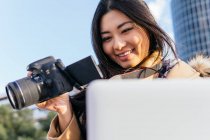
[[125, 53]]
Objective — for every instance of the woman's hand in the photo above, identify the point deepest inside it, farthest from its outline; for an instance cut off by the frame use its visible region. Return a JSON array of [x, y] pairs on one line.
[[61, 105]]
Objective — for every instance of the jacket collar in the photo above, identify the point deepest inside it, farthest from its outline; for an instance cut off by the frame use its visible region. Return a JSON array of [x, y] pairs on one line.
[[148, 69], [182, 70]]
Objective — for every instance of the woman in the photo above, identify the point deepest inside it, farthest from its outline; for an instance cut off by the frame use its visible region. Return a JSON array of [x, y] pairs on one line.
[[126, 39]]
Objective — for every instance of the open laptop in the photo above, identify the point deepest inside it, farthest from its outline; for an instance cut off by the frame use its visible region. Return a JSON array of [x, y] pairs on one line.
[[148, 110]]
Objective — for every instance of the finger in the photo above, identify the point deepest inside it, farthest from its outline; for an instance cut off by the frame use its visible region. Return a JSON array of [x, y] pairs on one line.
[[41, 105], [46, 106], [29, 73], [61, 109]]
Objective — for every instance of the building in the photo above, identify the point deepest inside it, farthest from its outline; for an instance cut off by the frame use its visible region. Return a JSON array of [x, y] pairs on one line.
[[191, 22]]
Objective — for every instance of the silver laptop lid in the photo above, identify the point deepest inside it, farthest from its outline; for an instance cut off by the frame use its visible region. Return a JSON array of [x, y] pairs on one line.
[[148, 110]]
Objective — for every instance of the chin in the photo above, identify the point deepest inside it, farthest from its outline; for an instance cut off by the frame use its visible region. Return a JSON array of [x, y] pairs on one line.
[[126, 66]]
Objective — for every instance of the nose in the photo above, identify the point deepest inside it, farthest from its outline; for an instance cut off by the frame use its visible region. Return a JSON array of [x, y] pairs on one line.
[[119, 43]]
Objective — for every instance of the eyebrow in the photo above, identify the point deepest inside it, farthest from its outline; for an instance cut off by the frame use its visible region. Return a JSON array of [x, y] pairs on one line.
[[122, 24], [119, 26]]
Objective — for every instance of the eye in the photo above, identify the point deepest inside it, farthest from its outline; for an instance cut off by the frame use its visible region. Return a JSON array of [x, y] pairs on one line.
[[106, 39], [127, 30]]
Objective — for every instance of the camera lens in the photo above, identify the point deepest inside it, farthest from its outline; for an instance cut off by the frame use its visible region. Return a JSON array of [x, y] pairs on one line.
[[23, 92], [11, 96]]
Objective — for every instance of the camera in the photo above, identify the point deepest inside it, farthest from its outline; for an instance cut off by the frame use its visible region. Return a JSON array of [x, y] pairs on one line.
[[50, 78]]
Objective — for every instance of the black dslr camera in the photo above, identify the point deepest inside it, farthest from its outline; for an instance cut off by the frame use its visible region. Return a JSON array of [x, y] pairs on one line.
[[50, 78]]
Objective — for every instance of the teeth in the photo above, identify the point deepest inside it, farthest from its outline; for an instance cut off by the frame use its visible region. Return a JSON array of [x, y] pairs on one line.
[[124, 54]]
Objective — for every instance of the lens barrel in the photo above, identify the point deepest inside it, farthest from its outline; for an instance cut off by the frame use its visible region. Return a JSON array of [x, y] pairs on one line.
[[23, 92]]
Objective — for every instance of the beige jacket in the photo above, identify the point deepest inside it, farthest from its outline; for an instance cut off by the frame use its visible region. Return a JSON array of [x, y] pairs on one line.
[[72, 132]]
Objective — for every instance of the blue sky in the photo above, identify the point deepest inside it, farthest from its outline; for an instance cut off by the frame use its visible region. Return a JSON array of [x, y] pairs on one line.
[[33, 29]]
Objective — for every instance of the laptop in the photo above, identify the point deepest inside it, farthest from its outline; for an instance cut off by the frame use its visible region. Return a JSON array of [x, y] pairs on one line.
[[148, 110]]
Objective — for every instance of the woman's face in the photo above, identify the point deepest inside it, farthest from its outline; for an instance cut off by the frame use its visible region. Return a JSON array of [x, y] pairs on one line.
[[123, 41]]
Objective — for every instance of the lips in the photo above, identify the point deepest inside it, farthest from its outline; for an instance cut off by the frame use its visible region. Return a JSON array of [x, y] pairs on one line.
[[125, 53]]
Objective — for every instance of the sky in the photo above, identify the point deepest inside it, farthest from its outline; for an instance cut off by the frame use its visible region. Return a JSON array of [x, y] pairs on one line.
[[34, 29]]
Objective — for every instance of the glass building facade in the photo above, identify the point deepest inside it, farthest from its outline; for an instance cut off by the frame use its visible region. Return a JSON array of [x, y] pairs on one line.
[[191, 22]]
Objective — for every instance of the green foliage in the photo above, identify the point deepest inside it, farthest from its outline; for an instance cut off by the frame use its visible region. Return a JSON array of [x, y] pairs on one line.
[[45, 123], [3, 133], [20, 125]]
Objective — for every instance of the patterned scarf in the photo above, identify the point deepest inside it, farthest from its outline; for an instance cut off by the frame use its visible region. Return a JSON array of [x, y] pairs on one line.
[[154, 67]]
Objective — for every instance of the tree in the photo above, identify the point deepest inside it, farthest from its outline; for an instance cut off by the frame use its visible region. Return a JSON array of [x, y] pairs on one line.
[[45, 122], [19, 125], [3, 133]]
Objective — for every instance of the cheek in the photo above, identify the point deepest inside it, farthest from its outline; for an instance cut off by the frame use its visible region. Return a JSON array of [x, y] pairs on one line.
[[107, 50], [142, 42], [137, 40]]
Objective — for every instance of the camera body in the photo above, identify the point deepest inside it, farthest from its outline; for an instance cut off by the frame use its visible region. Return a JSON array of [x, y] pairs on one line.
[[50, 78]]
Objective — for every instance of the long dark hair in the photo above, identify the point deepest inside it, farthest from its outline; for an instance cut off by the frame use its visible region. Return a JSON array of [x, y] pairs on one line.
[[138, 11]]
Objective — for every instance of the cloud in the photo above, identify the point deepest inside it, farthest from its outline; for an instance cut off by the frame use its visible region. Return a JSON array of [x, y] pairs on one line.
[[157, 8], [162, 13]]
